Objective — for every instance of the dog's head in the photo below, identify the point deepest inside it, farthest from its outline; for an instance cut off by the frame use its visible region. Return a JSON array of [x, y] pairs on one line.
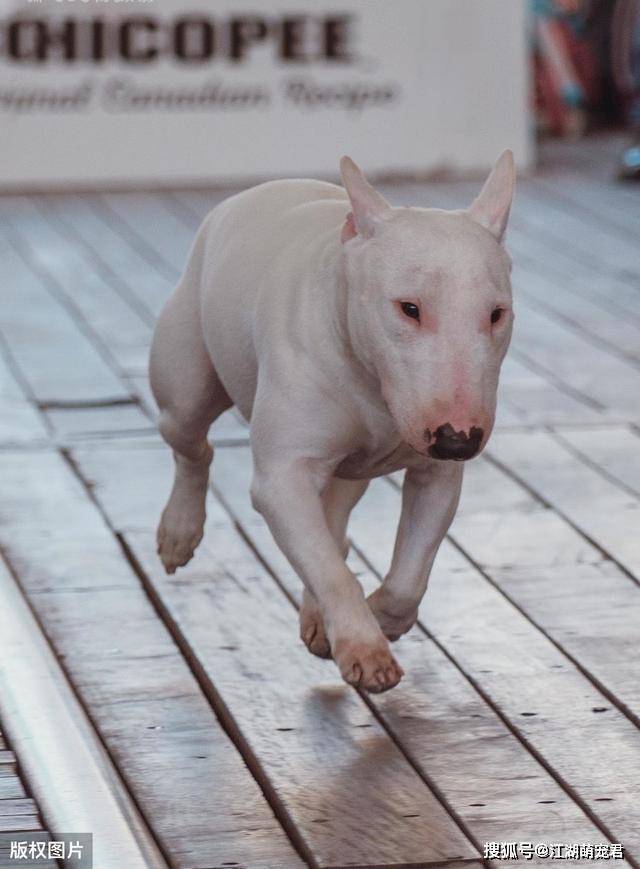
[[429, 308]]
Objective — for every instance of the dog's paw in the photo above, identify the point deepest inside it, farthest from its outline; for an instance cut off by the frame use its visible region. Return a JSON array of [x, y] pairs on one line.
[[177, 538], [368, 666], [312, 631], [393, 624]]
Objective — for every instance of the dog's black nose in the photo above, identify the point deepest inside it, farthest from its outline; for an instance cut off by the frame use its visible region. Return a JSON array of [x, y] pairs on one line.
[[455, 445]]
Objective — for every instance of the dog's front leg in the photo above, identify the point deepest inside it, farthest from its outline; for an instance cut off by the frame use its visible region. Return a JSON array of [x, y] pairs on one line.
[[429, 500], [288, 494]]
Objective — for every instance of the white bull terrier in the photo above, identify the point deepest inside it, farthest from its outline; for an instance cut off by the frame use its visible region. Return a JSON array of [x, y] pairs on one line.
[[357, 339]]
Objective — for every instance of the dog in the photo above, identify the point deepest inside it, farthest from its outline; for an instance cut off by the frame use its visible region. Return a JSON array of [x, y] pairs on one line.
[[357, 339]]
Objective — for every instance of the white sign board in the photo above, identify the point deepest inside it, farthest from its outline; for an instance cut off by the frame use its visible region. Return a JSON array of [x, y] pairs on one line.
[[99, 92]]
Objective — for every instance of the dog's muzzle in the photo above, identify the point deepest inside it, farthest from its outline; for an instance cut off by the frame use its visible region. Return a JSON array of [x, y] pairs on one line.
[[452, 445]]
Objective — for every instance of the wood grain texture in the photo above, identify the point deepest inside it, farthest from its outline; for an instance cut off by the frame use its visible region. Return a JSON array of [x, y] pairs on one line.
[[11, 787], [159, 231], [40, 333], [18, 812], [613, 451], [600, 202], [450, 732], [343, 782], [608, 381], [584, 282], [190, 783], [547, 702], [599, 507], [520, 706], [537, 401], [70, 422], [18, 815], [115, 324], [20, 422], [585, 603], [580, 232], [83, 223], [593, 319]]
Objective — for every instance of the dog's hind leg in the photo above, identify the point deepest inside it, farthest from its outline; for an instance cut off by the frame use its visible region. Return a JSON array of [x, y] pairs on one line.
[[190, 397]]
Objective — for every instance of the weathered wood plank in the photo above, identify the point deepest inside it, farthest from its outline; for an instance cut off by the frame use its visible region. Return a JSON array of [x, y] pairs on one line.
[[121, 325], [11, 788], [161, 231], [70, 421], [7, 760], [581, 600], [190, 783], [20, 421], [364, 806], [450, 732], [568, 357], [133, 234], [614, 450], [537, 401], [606, 328], [579, 233], [81, 216], [106, 315], [546, 701], [16, 817], [585, 305], [599, 507], [196, 204], [116, 324], [17, 811], [585, 283], [599, 202], [54, 354], [25, 834], [18, 807]]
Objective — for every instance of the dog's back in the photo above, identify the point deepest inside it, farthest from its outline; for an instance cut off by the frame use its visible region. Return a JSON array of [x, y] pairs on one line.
[[238, 243]]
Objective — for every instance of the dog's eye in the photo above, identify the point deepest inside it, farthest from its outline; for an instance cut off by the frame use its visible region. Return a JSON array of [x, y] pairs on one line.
[[496, 314], [410, 310]]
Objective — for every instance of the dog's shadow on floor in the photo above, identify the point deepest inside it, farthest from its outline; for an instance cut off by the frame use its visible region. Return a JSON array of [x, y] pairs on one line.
[[357, 758]]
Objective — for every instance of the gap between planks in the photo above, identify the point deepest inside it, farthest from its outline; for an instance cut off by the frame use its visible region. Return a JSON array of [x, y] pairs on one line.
[[92, 470], [549, 505], [73, 779], [226, 717]]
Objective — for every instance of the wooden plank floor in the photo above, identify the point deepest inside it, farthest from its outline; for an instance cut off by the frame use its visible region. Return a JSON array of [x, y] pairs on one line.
[[518, 717], [19, 814]]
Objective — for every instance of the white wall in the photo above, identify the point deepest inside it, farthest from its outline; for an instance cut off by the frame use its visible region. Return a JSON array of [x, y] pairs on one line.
[[448, 79]]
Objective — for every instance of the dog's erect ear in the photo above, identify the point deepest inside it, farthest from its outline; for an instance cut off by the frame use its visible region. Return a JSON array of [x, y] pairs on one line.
[[491, 208], [369, 207]]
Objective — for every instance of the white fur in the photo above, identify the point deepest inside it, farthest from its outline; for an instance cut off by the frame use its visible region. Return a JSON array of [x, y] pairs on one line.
[[290, 308]]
